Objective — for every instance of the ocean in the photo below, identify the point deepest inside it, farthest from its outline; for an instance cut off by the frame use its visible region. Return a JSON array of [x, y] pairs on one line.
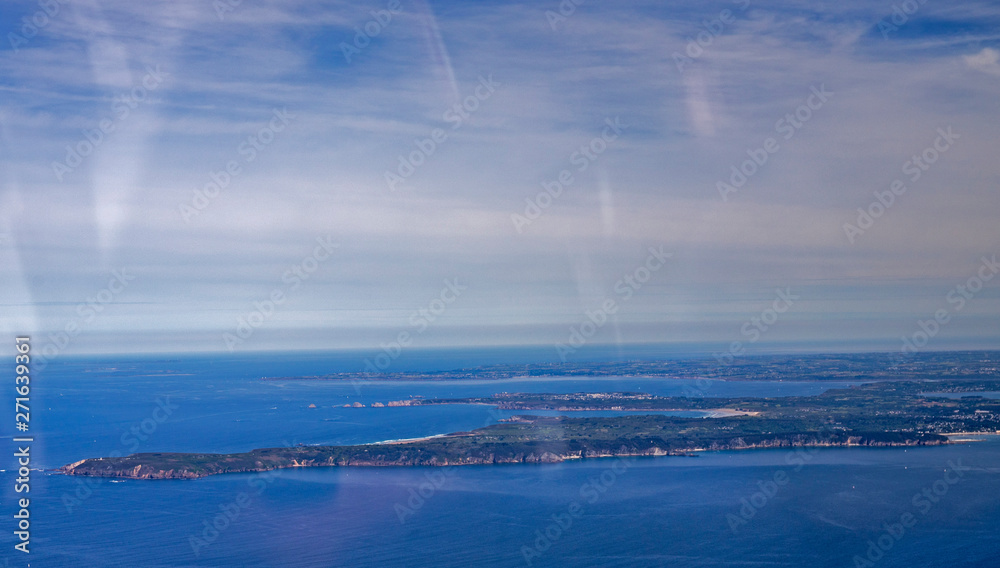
[[830, 507]]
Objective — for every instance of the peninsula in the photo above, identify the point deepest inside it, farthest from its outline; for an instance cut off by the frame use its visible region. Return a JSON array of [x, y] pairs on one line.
[[877, 414]]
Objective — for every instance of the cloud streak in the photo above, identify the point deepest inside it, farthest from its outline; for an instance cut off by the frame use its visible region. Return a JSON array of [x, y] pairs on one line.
[[656, 185]]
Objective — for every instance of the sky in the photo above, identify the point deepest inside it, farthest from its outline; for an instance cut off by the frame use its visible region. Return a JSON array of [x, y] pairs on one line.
[[237, 176]]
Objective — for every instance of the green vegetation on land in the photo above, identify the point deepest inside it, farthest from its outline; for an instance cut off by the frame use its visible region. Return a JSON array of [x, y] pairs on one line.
[[878, 414]]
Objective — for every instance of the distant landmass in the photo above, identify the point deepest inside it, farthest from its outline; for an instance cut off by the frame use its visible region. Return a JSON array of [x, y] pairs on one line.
[[822, 367]]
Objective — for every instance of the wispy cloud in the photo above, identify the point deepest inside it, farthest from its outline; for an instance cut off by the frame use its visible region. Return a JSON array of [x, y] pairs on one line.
[[324, 174]]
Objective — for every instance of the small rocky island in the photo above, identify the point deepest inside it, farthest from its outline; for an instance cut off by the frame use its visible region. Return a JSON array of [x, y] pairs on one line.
[[878, 414]]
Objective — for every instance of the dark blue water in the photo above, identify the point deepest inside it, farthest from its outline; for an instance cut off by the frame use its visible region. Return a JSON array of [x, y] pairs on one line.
[[646, 512]]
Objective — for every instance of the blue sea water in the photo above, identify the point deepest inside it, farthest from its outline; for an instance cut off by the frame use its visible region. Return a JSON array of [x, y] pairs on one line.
[[720, 508]]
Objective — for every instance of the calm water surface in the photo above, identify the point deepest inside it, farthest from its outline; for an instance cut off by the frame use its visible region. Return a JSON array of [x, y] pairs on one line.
[[646, 512]]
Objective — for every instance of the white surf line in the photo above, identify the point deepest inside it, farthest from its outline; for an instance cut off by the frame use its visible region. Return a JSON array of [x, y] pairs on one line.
[[405, 440]]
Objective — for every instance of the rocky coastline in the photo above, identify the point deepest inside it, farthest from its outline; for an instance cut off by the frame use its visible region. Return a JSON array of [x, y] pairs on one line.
[[193, 466]]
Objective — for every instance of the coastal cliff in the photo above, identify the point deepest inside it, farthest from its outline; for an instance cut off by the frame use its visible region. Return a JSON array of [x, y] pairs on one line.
[[474, 450]]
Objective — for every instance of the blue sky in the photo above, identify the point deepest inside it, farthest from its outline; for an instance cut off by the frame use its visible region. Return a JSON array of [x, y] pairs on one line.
[[309, 134]]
